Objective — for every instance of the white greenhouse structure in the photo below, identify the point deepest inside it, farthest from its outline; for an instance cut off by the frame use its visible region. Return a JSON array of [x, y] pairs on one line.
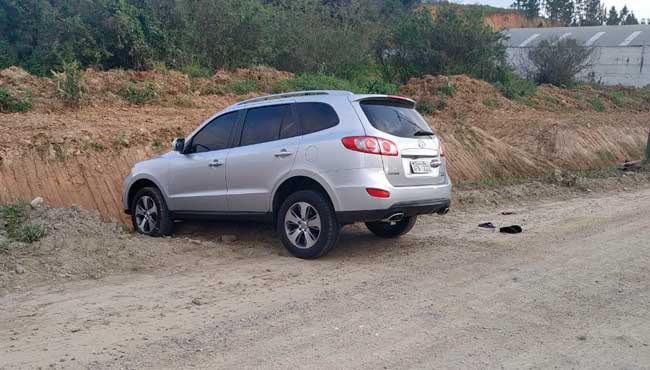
[[620, 53]]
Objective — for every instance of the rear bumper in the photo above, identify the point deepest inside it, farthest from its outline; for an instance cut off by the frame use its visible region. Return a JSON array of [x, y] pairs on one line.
[[407, 208]]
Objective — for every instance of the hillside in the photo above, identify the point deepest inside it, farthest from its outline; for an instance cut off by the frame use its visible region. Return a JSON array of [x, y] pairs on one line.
[[499, 18], [80, 155]]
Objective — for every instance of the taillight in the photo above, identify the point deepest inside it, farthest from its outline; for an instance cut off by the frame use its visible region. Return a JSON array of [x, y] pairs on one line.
[[370, 145], [378, 193], [441, 148]]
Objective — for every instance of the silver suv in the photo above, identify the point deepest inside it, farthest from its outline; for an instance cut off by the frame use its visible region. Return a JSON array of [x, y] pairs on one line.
[[309, 161]]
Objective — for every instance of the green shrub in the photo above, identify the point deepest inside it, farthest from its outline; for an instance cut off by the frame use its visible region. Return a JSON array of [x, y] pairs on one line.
[[11, 104], [30, 233], [138, 94], [455, 41], [370, 79], [70, 84], [195, 70], [596, 104], [425, 106], [314, 81], [617, 98], [446, 89], [242, 87], [323, 81], [512, 86]]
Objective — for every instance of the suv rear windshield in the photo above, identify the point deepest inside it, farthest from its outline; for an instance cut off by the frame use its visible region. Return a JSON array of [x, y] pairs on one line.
[[395, 118]]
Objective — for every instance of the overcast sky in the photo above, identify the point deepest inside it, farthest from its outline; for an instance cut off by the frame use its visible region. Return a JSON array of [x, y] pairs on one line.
[[641, 8]]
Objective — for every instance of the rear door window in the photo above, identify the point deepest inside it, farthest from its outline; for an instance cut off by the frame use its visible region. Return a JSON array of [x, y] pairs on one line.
[[316, 117], [265, 124], [215, 135], [394, 118]]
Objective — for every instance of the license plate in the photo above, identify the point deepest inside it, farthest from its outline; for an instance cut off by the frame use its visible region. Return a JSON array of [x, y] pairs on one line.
[[420, 167]]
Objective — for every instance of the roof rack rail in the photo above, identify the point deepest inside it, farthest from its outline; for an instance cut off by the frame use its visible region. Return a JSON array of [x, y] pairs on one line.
[[291, 95]]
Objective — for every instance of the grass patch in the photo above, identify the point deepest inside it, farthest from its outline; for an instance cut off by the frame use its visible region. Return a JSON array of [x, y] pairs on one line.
[[195, 70], [242, 87], [30, 233], [183, 102], [512, 86], [491, 102], [138, 94], [617, 98], [597, 104], [70, 85], [446, 89], [156, 144], [13, 217], [527, 101], [121, 141], [12, 104]]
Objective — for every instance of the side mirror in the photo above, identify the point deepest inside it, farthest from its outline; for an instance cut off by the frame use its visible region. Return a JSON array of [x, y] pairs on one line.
[[178, 145]]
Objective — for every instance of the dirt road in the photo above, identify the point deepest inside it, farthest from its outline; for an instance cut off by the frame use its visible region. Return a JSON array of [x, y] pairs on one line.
[[571, 292]]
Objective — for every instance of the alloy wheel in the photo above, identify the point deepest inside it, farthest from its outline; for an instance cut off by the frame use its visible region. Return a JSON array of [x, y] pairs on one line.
[[302, 225], [146, 214]]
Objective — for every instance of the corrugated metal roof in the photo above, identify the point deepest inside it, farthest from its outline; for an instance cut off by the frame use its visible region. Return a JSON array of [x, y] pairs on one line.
[[599, 36]]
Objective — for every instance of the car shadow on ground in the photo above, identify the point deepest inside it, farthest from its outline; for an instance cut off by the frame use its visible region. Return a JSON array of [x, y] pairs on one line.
[[254, 238]]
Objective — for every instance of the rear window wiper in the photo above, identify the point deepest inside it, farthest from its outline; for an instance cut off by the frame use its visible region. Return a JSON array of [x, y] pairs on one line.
[[423, 133]]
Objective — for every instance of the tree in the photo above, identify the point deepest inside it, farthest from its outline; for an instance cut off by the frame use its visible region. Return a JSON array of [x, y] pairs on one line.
[[630, 20], [594, 13], [624, 13], [455, 42], [558, 62], [530, 8], [613, 18], [560, 10]]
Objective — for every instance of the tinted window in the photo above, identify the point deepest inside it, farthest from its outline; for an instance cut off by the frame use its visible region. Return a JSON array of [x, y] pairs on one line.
[[264, 124], [394, 118], [290, 127], [316, 117], [215, 135]]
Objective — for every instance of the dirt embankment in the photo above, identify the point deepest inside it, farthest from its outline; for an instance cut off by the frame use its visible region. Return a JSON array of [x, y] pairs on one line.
[[80, 156], [499, 19], [490, 136]]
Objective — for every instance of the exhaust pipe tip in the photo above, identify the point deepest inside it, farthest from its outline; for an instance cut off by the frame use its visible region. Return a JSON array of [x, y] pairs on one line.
[[443, 211], [397, 217]]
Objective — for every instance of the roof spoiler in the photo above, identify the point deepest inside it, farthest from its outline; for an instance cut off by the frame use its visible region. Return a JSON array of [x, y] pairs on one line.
[[387, 98]]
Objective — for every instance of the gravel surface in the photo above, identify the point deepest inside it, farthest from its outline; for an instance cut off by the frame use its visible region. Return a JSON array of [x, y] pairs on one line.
[[571, 292]]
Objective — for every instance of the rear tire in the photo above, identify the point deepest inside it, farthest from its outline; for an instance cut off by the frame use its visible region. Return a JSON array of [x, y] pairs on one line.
[[392, 230], [149, 213], [307, 224]]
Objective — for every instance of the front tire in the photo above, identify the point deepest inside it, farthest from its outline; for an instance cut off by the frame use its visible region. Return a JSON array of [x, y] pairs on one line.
[[149, 213], [307, 225], [392, 229]]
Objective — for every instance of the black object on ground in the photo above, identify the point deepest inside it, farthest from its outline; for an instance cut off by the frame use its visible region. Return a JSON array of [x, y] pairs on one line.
[[487, 225], [514, 229]]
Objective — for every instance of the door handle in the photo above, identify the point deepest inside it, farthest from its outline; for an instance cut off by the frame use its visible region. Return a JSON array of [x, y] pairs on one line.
[[216, 163], [283, 153]]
